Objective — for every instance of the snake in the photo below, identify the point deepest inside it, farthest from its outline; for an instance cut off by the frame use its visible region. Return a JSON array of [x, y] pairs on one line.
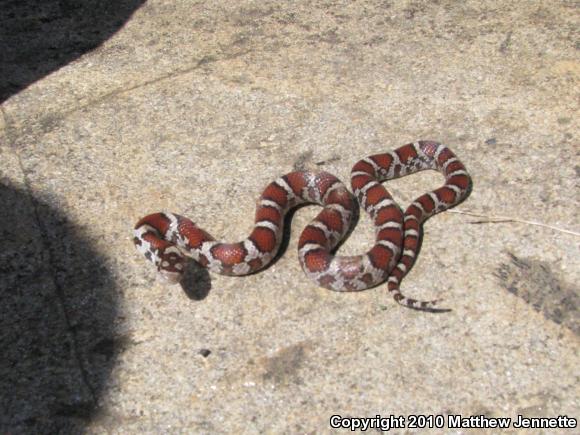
[[167, 239]]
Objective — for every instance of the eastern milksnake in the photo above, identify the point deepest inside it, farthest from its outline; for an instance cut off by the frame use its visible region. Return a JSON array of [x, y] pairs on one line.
[[165, 238]]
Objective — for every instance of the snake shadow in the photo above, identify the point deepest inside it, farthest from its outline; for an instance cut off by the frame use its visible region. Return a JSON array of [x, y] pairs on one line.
[[38, 37], [196, 281], [58, 305]]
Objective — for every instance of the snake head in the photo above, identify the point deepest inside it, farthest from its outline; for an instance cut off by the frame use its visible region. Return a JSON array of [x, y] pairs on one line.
[[171, 266]]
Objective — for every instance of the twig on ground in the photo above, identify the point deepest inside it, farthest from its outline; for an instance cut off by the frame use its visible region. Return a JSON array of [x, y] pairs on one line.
[[504, 219]]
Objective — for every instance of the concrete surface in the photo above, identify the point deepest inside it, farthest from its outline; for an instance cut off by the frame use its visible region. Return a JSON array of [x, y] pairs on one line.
[[194, 108]]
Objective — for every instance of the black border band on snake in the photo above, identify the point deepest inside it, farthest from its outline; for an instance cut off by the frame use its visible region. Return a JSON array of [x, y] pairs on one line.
[[166, 238]]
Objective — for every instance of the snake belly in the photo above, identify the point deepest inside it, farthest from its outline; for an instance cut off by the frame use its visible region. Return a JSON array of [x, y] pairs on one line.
[[166, 239]]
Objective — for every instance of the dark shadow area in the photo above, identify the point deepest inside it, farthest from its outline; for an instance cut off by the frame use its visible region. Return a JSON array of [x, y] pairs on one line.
[[38, 37], [540, 286], [58, 305], [196, 282]]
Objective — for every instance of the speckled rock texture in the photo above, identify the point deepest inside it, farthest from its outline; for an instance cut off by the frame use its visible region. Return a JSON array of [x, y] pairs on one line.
[[193, 107]]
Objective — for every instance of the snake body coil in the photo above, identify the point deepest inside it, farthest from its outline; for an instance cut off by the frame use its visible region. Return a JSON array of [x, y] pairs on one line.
[[165, 238]]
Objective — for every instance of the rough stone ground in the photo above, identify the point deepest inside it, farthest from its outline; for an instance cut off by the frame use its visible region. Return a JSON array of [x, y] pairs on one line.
[[193, 108]]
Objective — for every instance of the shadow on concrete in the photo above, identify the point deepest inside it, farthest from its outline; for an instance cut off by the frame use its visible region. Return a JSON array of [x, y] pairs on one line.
[[38, 37], [58, 305], [540, 286], [196, 282]]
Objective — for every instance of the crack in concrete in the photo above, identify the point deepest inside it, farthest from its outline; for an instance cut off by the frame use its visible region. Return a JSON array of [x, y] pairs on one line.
[[46, 246], [209, 59], [173, 74], [10, 134], [5, 121]]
